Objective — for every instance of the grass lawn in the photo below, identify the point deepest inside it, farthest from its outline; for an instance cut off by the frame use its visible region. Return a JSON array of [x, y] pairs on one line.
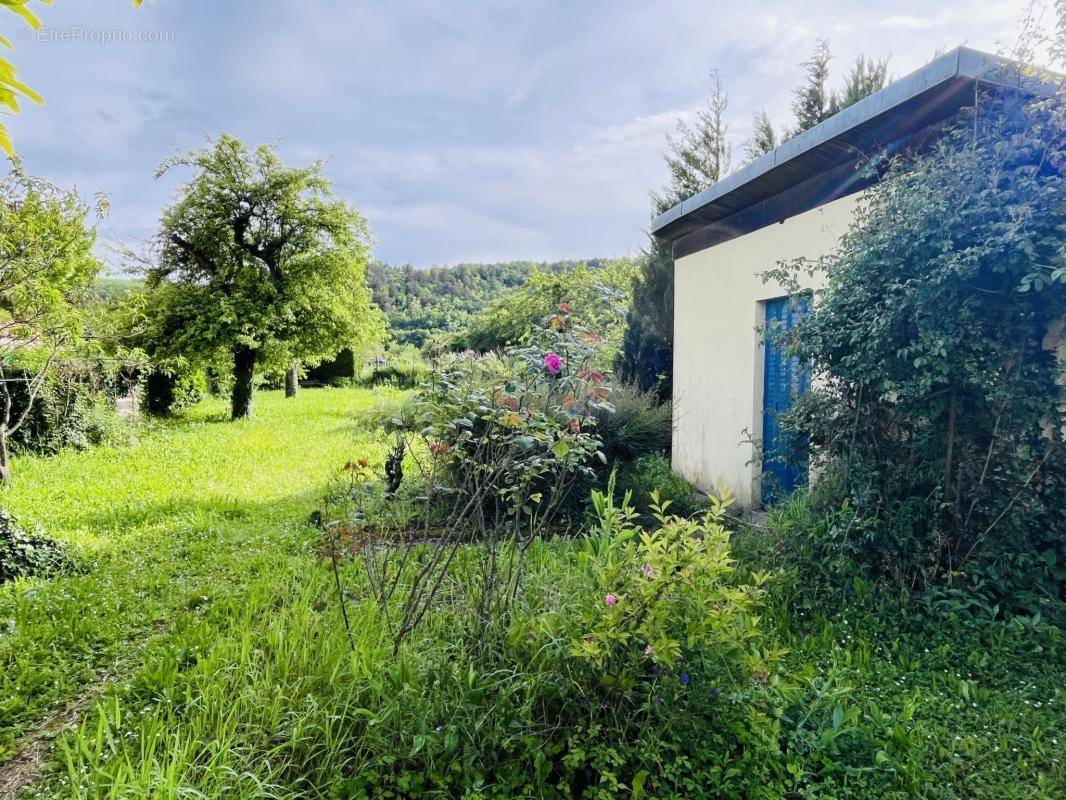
[[202, 651], [197, 522]]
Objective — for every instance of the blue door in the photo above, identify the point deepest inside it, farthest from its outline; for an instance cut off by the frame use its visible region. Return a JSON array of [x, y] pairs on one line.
[[784, 459]]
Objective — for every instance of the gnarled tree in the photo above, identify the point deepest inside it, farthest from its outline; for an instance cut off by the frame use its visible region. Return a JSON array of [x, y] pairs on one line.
[[259, 260]]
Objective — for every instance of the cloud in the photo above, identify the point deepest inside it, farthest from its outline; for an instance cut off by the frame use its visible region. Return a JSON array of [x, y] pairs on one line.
[[910, 23], [488, 130]]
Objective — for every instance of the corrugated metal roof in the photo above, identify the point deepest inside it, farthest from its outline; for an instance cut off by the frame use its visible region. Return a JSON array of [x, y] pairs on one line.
[[929, 95]]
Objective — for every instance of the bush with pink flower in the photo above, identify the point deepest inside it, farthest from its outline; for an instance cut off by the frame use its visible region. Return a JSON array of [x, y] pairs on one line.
[[663, 602]]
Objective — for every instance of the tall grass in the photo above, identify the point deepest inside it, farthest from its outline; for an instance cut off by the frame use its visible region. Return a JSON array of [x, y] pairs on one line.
[[169, 530]]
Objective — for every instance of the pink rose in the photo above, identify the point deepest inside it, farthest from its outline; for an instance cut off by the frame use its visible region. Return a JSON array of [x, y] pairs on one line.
[[649, 650], [553, 363], [610, 600]]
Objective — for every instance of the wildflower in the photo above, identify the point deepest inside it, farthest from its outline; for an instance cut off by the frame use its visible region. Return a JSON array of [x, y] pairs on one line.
[[553, 363], [649, 650], [590, 638], [610, 600], [364, 463], [684, 678], [564, 307], [649, 571]]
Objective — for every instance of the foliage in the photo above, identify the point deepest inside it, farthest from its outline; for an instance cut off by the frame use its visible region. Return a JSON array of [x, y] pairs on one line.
[[663, 600], [938, 421], [172, 391], [635, 425], [498, 444], [696, 158], [814, 102], [250, 687], [400, 375], [652, 474], [763, 138], [699, 154], [601, 295], [25, 554], [260, 261], [46, 270], [75, 407], [428, 307]]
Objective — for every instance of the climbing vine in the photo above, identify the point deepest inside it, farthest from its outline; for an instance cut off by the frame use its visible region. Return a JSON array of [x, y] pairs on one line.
[[937, 421]]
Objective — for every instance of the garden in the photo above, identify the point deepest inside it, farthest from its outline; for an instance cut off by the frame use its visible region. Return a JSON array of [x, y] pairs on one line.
[[361, 534]]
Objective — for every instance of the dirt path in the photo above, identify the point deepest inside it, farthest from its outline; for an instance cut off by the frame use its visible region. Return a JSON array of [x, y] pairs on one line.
[[24, 769]]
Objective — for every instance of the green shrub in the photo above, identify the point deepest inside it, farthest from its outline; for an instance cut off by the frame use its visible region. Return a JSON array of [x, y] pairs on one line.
[[635, 425], [630, 663], [171, 392], [936, 420], [389, 414], [401, 376], [25, 554], [653, 474], [75, 407]]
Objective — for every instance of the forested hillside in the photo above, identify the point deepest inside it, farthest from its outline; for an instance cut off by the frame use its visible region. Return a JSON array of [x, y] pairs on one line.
[[421, 302]]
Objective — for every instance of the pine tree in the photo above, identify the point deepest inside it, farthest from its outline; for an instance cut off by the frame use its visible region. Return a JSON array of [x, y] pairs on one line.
[[813, 102], [865, 77], [697, 157], [763, 138]]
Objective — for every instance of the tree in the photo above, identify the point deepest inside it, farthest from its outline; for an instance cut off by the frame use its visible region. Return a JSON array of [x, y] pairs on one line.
[[598, 298], [697, 157], [813, 102], [699, 153], [47, 269], [763, 138], [865, 77], [258, 260]]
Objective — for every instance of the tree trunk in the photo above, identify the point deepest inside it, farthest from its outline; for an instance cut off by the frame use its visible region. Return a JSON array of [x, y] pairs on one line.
[[292, 380], [949, 453], [5, 458], [244, 359]]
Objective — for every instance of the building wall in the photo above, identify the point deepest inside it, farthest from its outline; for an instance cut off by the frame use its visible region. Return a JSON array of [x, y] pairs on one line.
[[718, 356]]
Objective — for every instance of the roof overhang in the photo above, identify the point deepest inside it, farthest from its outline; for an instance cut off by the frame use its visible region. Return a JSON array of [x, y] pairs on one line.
[[928, 96]]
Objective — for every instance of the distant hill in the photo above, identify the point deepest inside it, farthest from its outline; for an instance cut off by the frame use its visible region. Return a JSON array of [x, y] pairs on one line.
[[109, 288], [421, 302]]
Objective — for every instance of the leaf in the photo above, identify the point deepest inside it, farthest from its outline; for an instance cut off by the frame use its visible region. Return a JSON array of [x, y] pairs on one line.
[[561, 449], [419, 743], [638, 783]]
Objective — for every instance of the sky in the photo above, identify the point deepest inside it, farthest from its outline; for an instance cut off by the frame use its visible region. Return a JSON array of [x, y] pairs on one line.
[[473, 130]]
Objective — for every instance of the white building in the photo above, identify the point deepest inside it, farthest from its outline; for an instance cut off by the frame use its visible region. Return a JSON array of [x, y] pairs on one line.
[[795, 201]]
